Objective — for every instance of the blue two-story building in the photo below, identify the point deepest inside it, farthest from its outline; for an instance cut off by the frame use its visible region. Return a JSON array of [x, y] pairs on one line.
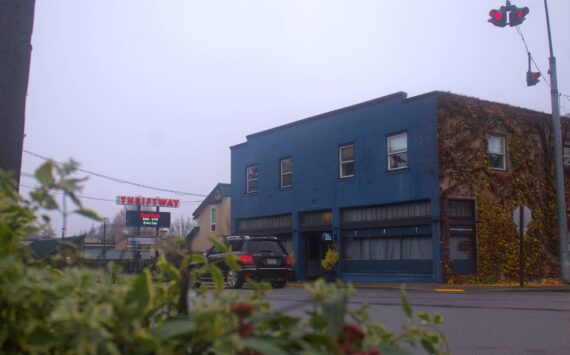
[[364, 179]]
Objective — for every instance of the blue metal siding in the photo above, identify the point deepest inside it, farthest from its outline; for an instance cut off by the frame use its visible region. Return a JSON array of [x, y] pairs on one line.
[[314, 147]]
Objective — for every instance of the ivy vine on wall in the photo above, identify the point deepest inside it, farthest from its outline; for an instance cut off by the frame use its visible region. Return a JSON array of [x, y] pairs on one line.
[[464, 124]]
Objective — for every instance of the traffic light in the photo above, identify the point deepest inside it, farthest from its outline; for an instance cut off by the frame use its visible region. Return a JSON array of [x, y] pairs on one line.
[[517, 15], [532, 78], [498, 17]]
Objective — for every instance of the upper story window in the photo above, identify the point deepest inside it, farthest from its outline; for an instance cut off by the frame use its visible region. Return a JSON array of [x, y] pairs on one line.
[[566, 157], [286, 172], [397, 151], [346, 161], [213, 219], [496, 146], [251, 175]]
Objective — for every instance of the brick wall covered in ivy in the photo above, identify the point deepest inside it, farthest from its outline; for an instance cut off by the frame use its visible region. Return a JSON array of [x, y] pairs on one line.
[[464, 124]]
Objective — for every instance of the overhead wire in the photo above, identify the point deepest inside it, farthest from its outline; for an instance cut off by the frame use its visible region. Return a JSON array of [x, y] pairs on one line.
[[567, 97], [100, 198], [117, 180], [530, 56]]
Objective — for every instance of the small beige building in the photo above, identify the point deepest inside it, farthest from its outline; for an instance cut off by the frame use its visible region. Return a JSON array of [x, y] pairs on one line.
[[212, 217]]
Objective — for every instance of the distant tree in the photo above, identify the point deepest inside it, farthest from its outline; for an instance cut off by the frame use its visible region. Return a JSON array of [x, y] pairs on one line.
[[181, 226]]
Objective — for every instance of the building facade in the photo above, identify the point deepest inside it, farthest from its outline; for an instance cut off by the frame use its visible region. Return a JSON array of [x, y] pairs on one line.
[[16, 24], [212, 217], [395, 184]]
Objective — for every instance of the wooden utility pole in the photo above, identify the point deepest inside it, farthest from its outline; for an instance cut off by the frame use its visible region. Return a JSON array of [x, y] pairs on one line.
[[16, 25]]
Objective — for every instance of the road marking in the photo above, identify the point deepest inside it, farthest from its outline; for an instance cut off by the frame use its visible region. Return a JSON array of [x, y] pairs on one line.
[[448, 290]]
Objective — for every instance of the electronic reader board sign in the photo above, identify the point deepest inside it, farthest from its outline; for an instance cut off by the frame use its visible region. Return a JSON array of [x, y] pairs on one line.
[[148, 219]]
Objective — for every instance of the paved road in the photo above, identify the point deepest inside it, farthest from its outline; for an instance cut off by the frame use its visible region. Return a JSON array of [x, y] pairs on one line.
[[530, 322]]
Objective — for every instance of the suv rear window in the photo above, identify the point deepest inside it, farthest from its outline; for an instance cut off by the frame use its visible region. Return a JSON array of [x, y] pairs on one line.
[[264, 246]]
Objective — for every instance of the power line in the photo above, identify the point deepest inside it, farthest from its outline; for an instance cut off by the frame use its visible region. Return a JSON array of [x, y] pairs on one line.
[[117, 180], [530, 56], [100, 198]]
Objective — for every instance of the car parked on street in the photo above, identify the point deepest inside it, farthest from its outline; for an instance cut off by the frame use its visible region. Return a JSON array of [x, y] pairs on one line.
[[262, 258]]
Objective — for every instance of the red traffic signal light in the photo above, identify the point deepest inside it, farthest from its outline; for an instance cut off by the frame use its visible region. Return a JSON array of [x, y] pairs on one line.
[[532, 78], [517, 15], [498, 17]]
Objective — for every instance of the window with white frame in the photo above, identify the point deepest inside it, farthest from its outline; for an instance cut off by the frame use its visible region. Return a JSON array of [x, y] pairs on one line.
[[566, 154], [346, 161], [251, 174], [213, 219], [286, 172], [496, 147], [397, 151]]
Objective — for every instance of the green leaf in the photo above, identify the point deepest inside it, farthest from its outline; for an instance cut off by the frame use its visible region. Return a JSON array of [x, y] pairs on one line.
[[428, 346], [221, 246], [425, 317], [438, 319], [48, 202], [317, 321], [263, 346], [39, 339], [198, 258], [173, 328], [139, 296], [218, 278], [145, 344], [44, 173], [405, 303], [232, 261], [85, 212], [334, 310]]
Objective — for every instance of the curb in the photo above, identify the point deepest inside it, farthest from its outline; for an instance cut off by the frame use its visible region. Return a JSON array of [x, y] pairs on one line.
[[442, 288]]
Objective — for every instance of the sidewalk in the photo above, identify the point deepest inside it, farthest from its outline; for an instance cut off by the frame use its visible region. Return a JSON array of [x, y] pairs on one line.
[[435, 287]]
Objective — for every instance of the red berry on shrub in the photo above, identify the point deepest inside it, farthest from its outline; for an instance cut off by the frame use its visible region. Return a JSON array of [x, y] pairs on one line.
[[242, 310], [352, 332]]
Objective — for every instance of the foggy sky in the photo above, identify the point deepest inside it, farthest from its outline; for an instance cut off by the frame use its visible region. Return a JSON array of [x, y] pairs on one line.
[[155, 92]]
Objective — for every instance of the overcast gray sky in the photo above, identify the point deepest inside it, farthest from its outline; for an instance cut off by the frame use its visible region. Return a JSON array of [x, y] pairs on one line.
[[155, 92]]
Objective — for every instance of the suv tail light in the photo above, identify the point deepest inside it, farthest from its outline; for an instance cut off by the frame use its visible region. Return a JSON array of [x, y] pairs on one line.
[[246, 259], [289, 260]]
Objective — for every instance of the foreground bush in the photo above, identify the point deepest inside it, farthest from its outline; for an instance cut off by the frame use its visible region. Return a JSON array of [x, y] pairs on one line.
[[59, 307]]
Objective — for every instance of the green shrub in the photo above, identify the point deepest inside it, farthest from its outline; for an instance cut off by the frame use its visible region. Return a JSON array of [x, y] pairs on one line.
[[62, 307]]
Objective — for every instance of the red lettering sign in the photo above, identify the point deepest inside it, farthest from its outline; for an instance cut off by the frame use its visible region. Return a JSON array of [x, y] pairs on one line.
[[148, 201]]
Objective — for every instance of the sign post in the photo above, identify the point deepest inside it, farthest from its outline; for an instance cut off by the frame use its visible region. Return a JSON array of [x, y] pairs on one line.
[[522, 216]]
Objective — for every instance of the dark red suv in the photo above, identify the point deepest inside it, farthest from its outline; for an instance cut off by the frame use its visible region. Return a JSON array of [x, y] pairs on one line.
[[261, 259]]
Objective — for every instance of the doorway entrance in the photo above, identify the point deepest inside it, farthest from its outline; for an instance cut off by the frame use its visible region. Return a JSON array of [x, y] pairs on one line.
[[315, 249]]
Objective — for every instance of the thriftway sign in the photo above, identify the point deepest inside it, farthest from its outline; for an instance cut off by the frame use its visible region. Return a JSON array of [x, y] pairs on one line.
[[148, 201]]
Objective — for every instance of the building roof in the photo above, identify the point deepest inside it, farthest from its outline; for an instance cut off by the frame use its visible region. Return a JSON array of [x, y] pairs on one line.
[[192, 234], [46, 247], [215, 196], [397, 96]]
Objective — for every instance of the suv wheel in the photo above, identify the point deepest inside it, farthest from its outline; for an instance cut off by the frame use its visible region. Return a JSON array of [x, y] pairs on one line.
[[278, 284], [234, 280]]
